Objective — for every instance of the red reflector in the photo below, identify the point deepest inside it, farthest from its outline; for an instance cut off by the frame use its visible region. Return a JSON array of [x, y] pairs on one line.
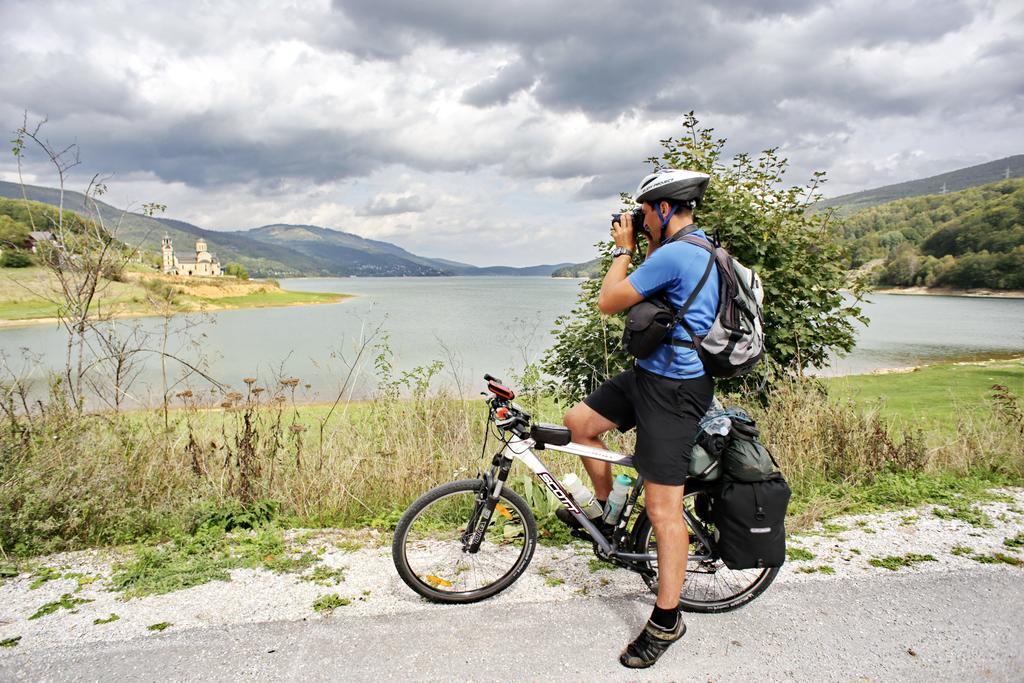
[[502, 413]]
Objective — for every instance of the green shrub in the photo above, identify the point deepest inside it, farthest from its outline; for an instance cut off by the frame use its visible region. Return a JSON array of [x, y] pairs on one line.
[[15, 259]]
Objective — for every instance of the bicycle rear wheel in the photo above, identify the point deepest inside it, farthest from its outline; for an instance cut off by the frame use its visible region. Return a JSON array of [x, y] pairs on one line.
[[710, 586], [431, 545]]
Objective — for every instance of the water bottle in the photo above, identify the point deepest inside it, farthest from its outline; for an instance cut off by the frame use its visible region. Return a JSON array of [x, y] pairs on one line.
[[583, 496], [719, 425], [617, 498]]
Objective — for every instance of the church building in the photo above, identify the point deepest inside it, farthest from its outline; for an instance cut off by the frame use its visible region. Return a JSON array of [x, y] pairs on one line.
[[201, 263]]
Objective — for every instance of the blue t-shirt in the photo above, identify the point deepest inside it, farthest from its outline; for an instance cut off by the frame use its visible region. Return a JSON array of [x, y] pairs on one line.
[[676, 269]]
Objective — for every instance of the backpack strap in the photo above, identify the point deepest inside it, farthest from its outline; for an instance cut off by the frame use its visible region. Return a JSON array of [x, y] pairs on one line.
[[682, 234], [685, 236], [680, 314]]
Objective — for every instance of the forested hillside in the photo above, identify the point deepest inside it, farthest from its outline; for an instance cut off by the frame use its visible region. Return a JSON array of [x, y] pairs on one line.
[[953, 181], [590, 269], [18, 219], [971, 238]]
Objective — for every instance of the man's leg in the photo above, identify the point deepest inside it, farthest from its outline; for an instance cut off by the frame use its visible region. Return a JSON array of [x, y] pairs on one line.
[[587, 426], [665, 510]]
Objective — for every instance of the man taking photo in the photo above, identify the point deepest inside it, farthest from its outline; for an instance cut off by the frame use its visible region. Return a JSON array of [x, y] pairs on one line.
[[664, 395]]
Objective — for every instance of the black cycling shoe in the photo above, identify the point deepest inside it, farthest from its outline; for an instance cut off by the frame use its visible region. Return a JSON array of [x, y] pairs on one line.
[[566, 518], [650, 644]]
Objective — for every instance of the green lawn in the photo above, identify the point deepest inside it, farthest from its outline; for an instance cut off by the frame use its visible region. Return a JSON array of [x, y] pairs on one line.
[[932, 397], [23, 293], [281, 298]]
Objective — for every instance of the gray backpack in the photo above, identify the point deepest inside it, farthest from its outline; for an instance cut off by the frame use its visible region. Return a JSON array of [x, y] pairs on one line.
[[735, 342]]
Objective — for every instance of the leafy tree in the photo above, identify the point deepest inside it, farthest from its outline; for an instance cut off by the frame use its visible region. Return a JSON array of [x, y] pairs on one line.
[[237, 270], [763, 224]]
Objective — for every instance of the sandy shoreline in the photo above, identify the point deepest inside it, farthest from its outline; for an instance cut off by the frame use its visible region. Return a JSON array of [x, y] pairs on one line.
[[29, 322], [949, 291]]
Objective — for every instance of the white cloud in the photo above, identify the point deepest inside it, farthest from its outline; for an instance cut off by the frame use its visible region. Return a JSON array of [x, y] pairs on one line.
[[492, 136]]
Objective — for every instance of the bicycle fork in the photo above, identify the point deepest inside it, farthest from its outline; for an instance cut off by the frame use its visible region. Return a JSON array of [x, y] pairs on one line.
[[486, 501]]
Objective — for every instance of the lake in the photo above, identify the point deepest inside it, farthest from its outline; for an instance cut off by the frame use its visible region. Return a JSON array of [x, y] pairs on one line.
[[478, 325]]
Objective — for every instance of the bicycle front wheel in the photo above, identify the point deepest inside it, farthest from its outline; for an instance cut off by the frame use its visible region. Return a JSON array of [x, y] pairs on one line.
[[710, 586], [432, 550]]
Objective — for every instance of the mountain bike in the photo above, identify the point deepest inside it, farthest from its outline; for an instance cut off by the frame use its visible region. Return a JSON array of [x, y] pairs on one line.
[[468, 540]]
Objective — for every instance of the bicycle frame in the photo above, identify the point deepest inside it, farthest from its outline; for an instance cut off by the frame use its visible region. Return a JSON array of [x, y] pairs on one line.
[[517, 448]]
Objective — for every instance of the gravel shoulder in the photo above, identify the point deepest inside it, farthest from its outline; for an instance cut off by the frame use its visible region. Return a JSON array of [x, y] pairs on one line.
[[838, 559]]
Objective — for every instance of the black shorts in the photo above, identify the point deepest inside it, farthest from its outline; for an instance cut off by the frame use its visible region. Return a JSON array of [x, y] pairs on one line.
[[665, 412]]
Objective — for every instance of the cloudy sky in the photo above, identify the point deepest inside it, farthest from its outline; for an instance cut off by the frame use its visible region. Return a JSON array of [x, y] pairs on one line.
[[495, 133]]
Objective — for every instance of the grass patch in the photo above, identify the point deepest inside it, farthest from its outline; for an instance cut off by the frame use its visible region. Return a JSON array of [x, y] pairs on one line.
[[24, 292], [549, 578], [330, 602], [324, 576], [936, 398], [821, 569], [109, 620], [961, 550], [998, 558], [551, 532], [798, 554], [161, 626], [1015, 542], [42, 576], [965, 512], [893, 491], [894, 562], [208, 555], [81, 580], [596, 565], [67, 601], [10, 642], [348, 545], [269, 298]]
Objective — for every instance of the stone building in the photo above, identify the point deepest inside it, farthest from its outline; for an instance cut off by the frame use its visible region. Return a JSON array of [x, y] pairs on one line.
[[38, 237], [200, 263]]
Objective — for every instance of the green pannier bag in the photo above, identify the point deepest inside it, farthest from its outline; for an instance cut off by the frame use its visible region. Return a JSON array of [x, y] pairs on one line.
[[704, 465], [746, 459], [732, 449]]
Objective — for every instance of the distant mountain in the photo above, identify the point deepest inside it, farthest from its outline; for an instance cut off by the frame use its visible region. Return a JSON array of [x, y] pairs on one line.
[[457, 268], [272, 250], [350, 254], [144, 232], [972, 176]]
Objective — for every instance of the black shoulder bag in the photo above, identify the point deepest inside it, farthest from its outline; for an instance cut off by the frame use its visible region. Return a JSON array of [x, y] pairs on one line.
[[649, 322]]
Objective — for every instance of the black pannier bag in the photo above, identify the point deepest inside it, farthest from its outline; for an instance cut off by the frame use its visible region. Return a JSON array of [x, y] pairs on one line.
[[750, 518]]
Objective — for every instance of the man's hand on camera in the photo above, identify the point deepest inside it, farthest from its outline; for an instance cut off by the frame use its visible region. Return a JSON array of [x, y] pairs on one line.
[[622, 232]]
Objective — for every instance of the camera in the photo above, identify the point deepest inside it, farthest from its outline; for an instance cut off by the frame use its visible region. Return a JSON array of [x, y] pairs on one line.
[[638, 221]]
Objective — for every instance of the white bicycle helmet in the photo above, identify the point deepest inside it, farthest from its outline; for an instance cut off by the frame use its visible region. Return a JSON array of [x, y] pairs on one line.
[[673, 185]]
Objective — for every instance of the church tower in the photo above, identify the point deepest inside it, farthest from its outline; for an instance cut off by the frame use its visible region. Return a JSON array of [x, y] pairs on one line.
[[168, 254]]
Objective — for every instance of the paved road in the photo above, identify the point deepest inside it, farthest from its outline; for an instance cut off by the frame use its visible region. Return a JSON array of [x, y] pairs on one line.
[[909, 627]]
